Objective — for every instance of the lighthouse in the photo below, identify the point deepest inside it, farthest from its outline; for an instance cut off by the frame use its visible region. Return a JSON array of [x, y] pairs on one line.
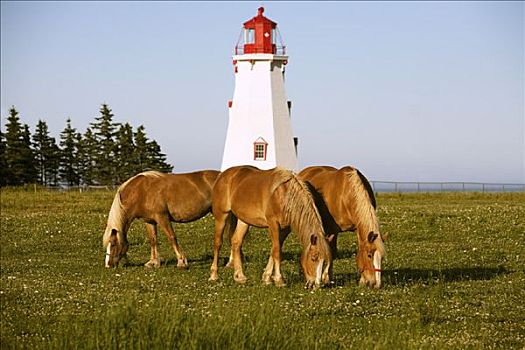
[[259, 127]]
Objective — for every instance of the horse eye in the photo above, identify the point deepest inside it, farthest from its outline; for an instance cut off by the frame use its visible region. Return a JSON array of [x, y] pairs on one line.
[[370, 256]]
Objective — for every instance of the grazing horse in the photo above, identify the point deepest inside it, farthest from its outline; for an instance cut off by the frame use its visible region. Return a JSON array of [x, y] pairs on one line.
[[157, 198], [346, 202], [276, 199]]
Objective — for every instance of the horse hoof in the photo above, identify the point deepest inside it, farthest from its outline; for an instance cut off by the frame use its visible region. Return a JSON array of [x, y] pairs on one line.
[[279, 282], [240, 279], [267, 280], [182, 264], [213, 277], [152, 264], [311, 285]]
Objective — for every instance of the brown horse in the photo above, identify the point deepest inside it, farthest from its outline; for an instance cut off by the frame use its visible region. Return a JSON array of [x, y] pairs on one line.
[[346, 202], [157, 198], [276, 199]]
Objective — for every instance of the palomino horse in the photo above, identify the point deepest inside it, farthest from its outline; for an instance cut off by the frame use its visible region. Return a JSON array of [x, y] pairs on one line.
[[276, 199], [157, 198], [346, 202]]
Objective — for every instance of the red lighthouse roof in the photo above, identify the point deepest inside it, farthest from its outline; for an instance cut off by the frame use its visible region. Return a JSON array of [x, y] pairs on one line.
[[260, 34]]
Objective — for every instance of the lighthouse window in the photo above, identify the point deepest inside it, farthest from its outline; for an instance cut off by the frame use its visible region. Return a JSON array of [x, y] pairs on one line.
[[250, 36], [259, 151]]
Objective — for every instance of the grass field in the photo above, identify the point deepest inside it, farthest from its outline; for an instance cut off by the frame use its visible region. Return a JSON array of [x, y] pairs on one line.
[[455, 278]]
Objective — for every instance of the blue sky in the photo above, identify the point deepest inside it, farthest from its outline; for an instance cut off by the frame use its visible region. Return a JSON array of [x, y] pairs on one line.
[[406, 91]]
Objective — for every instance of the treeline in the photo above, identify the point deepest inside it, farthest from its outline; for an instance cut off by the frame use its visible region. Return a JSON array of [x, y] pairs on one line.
[[106, 154]]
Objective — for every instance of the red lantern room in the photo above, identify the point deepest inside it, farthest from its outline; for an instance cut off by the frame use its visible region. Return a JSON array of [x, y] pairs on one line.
[[260, 36]]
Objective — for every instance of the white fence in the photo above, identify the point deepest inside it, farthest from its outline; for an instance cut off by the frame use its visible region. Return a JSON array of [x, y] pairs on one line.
[[399, 186]]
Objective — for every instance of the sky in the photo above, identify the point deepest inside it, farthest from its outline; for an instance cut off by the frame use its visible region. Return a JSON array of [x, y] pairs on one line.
[[404, 91]]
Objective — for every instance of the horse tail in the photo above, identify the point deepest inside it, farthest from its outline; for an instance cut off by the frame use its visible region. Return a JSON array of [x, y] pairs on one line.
[[302, 214], [363, 203], [117, 214]]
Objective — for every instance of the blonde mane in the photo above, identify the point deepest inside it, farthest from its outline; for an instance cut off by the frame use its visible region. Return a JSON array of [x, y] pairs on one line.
[[116, 217], [361, 205], [301, 212]]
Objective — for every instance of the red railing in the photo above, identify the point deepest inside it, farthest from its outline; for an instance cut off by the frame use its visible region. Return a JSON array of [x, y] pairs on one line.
[[278, 50]]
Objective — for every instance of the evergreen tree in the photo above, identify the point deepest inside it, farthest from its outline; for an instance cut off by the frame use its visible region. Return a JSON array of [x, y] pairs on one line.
[[3, 164], [87, 149], [28, 157], [69, 160], [148, 155], [42, 146], [53, 164], [156, 158], [104, 131], [15, 150], [141, 150], [125, 152]]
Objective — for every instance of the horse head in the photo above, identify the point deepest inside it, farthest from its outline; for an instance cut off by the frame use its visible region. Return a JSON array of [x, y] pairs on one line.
[[369, 257], [314, 257], [116, 248]]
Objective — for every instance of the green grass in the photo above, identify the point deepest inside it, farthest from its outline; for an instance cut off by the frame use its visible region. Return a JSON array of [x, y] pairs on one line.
[[454, 279]]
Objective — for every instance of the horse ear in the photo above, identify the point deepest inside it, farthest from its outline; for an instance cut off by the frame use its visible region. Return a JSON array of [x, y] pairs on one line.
[[331, 238], [384, 236], [313, 240], [372, 237]]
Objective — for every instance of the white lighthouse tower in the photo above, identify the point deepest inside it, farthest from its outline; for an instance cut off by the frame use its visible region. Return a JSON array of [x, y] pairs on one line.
[[259, 128]]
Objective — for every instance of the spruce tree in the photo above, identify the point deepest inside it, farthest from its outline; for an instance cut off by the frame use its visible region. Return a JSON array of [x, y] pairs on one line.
[[87, 149], [53, 164], [69, 160], [148, 155], [42, 150], [3, 164], [28, 157], [15, 153], [156, 158], [125, 151], [140, 158], [104, 132]]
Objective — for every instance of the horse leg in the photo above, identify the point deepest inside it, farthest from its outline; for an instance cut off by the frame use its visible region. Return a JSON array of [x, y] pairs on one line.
[[154, 260], [237, 238], [267, 274], [230, 260], [275, 235], [328, 273], [168, 230], [332, 242], [220, 223]]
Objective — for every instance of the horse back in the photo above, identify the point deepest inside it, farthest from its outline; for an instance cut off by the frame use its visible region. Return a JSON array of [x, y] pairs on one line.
[[313, 171], [247, 192], [182, 197]]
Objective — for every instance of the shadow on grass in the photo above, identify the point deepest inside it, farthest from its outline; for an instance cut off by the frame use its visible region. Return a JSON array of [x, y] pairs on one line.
[[456, 274], [408, 276]]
